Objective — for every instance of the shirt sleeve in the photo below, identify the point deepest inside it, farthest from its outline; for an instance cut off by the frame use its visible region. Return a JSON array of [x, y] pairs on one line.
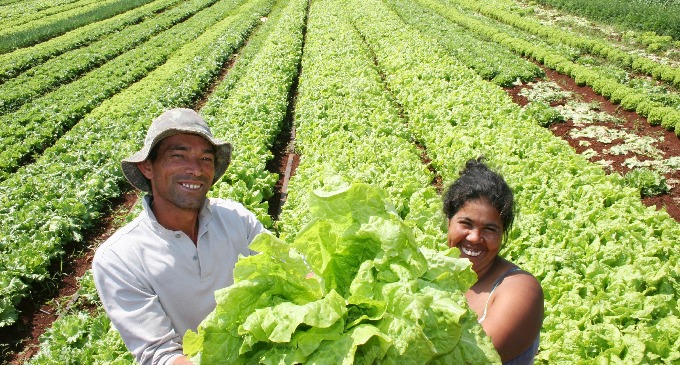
[[252, 224], [135, 311]]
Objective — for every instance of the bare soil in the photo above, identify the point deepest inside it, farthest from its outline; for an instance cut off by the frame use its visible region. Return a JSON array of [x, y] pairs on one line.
[[669, 144]]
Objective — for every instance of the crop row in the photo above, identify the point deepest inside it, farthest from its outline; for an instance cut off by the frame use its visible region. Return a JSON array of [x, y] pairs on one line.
[[490, 60], [38, 124], [24, 13], [250, 107], [581, 232], [660, 16], [602, 83], [96, 341], [13, 8], [348, 129], [13, 63], [42, 207], [599, 47], [69, 66], [50, 26]]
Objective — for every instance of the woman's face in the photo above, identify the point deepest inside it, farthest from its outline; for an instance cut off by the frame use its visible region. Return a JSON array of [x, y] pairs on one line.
[[477, 231]]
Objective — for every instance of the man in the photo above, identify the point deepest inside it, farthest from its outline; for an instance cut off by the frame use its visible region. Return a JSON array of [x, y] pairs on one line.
[[157, 275]]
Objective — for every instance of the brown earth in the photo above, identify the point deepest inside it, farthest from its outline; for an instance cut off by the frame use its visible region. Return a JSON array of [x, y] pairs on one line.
[[670, 145], [38, 313]]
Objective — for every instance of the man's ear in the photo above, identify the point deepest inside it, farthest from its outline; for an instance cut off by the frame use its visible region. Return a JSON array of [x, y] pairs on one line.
[[145, 168]]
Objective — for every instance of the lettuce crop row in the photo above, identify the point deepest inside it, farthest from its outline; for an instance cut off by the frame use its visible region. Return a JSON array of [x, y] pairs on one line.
[[7, 2], [82, 335], [601, 82], [50, 26], [13, 63], [71, 65], [251, 112], [490, 60], [659, 16], [599, 47], [348, 128], [13, 9], [606, 263], [38, 124], [24, 13], [42, 208]]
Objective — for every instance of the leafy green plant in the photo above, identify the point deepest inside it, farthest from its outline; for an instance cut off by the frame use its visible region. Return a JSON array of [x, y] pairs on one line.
[[81, 338], [373, 295], [649, 182], [543, 114]]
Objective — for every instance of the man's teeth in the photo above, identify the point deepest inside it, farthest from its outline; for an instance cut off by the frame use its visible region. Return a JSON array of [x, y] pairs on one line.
[[470, 252], [191, 186]]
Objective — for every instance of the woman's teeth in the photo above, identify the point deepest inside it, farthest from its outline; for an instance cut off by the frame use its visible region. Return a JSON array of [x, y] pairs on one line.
[[470, 252]]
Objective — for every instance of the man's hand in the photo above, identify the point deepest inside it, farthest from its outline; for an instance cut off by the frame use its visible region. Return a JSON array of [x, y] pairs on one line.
[[182, 360]]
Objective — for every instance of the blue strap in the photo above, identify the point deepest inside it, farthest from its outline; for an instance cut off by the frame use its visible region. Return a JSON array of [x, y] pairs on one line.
[[498, 282]]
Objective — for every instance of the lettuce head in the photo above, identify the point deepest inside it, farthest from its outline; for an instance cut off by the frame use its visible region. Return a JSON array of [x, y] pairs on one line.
[[354, 287]]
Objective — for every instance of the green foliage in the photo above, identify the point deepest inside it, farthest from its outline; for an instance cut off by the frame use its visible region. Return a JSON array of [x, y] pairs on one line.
[[645, 107], [659, 19], [48, 27], [38, 124], [86, 289], [374, 295], [670, 118], [656, 115], [649, 182], [490, 60], [71, 65], [619, 94], [11, 64], [631, 101], [543, 114], [370, 86], [81, 338]]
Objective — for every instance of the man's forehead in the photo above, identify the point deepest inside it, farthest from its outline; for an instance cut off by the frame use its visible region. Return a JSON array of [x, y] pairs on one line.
[[184, 141]]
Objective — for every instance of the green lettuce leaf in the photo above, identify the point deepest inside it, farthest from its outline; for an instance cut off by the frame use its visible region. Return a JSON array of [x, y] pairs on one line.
[[354, 287]]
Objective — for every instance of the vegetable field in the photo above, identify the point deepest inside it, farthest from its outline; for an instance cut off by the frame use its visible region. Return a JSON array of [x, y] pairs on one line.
[[324, 96]]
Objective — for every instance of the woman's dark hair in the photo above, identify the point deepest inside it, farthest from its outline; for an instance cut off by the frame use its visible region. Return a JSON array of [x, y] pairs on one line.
[[477, 181]]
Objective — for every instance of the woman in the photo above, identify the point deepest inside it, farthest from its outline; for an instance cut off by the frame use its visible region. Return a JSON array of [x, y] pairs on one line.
[[479, 206]]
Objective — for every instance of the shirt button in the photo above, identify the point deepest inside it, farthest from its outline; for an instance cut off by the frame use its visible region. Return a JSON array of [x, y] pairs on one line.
[[178, 235], [195, 257]]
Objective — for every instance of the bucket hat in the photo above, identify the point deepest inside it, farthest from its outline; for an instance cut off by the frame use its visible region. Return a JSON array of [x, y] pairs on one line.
[[170, 123]]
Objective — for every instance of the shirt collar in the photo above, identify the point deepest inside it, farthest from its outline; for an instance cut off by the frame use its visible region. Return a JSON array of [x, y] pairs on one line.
[[204, 216]]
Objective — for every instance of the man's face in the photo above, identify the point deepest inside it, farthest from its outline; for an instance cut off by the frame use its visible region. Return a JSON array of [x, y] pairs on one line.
[[182, 172]]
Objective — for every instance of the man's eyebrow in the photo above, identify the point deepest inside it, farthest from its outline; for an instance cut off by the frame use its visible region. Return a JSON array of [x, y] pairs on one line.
[[181, 147]]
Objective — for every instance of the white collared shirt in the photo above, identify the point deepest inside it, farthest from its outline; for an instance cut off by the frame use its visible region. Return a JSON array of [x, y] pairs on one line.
[[155, 284]]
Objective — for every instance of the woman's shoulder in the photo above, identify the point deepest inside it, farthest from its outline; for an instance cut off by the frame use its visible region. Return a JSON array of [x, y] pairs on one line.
[[519, 283], [516, 281]]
